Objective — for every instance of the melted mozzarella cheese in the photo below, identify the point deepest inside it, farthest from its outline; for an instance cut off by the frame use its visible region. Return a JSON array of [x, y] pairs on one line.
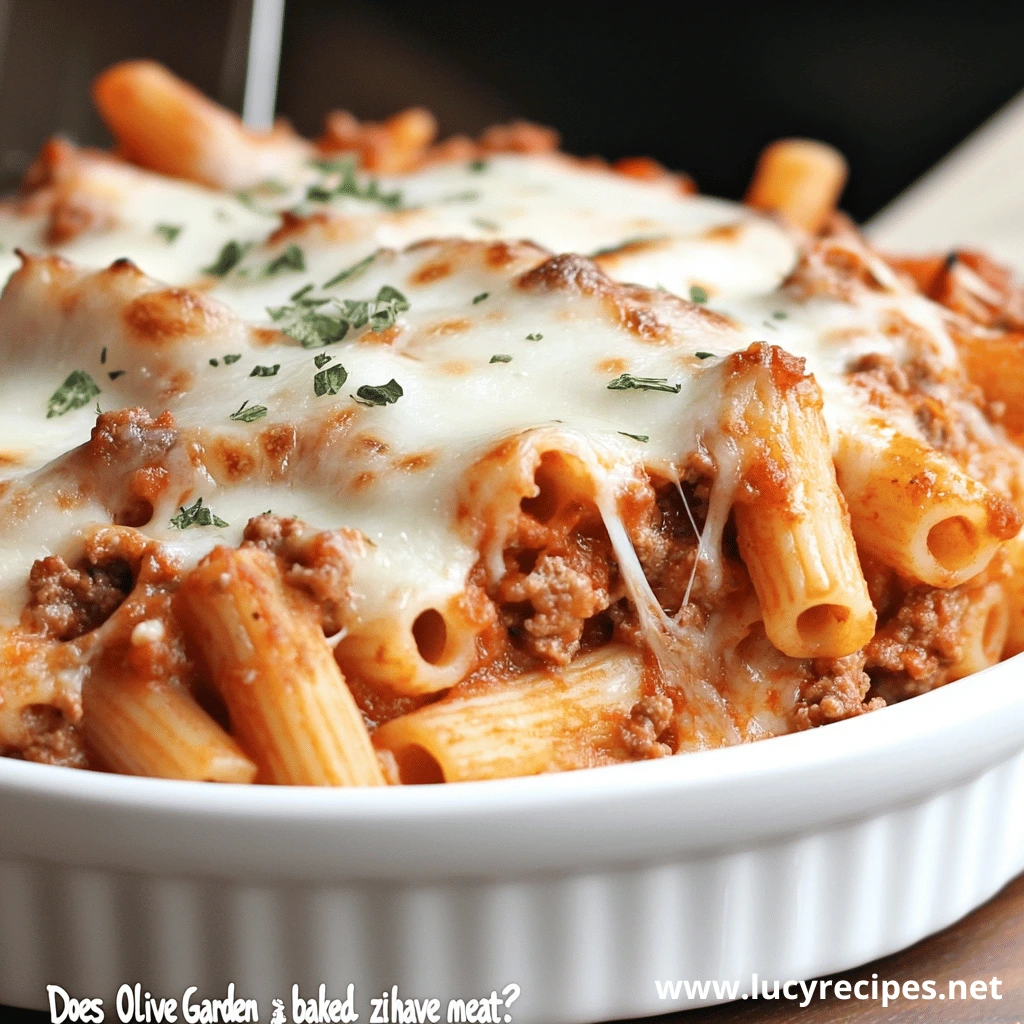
[[395, 472]]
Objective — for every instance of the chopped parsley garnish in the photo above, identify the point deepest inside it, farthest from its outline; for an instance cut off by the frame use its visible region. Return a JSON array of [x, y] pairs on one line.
[[698, 294], [196, 515], [265, 371], [348, 185], [290, 259], [229, 257], [114, 374], [322, 359], [266, 189], [215, 362], [477, 167], [229, 359], [779, 314], [168, 232], [501, 359], [103, 356], [534, 337], [249, 415], [77, 390], [704, 355], [461, 197], [317, 321], [350, 272], [644, 438], [385, 394], [480, 297], [627, 382], [330, 381], [486, 225]]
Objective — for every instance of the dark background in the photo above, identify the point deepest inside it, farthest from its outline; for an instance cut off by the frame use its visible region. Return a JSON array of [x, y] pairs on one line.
[[700, 86]]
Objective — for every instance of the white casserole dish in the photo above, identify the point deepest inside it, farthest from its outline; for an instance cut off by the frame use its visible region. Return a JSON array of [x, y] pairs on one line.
[[791, 858]]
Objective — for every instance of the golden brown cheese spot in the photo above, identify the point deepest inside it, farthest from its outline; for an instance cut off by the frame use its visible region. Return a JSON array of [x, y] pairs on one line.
[[725, 233], [414, 463], [386, 337], [278, 442], [292, 224], [264, 336], [449, 327], [613, 366], [170, 315], [69, 499], [456, 367], [429, 272], [234, 458], [179, 382], [10, 458], [367, 444], [363, 480]]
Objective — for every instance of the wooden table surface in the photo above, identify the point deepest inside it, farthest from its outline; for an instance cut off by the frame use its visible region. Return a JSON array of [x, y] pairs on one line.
[[988, 942]]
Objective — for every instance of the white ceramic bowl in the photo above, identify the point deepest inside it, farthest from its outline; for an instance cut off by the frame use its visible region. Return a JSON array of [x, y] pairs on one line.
[[790, 858]]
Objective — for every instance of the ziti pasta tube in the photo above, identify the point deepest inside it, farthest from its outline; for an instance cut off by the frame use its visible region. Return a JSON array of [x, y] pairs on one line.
[[916, 510], [792, 525], [286, 696], [537, 722]]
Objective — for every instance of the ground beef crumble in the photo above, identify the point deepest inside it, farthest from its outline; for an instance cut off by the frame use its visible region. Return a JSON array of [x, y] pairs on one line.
[[908, 652], [837, 690], [65, 603]]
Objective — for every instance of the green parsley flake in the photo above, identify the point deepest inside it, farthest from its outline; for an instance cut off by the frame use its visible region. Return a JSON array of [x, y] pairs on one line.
[[230, 256], [290, 259], [318, 321], [501, 359], [643, 438], [265, 371], [350, 272], [103, 356], [330, 381], [229, 359], [385, 394], [348, 185], [77, 390], [704, 355], [779, 314], [215, 362], [627, 382], [169, 232], [477, 167], [461, 197], [322, 359], [698, 294], [480, 297], [250, 414], [196, 515], [114, 374], [534, 337], [486, 225]]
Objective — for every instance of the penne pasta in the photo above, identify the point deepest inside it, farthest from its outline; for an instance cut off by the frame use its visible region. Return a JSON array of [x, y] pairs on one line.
[[538, 722], [792, 525], [288, 702], [914, 509], [799, 179], [138, 726], [163, 123]]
